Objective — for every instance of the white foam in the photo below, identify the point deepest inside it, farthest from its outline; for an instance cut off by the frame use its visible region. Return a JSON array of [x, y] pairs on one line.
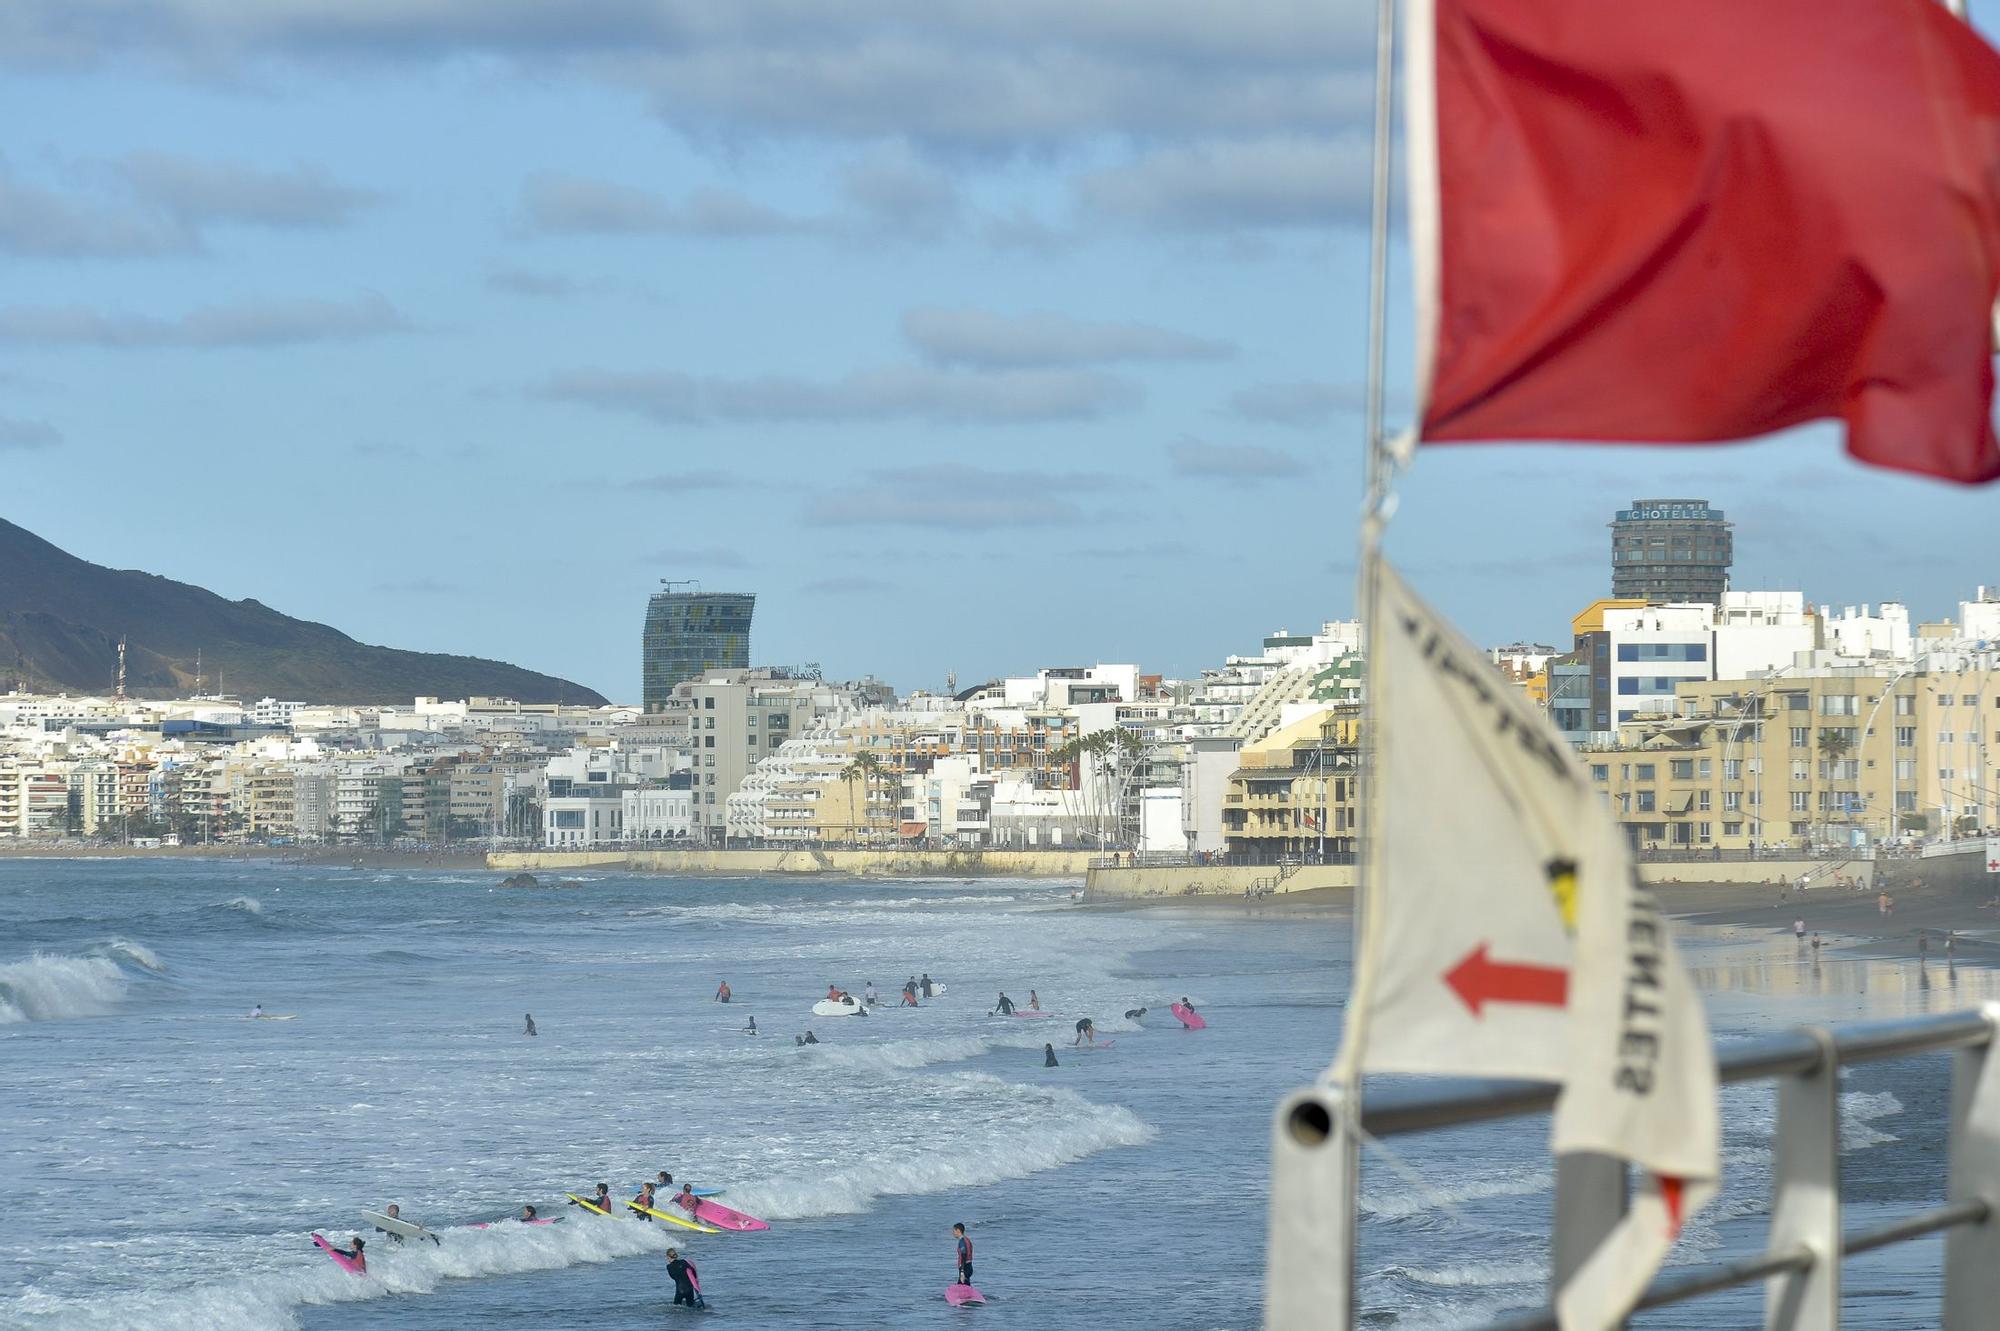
[[137, 954], [1408, 1200], [1475, 1274], [51, 988], [1858, 1111], [248, 905]]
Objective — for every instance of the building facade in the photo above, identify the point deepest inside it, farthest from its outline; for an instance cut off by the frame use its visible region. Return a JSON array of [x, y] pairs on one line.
[[688, 634], [1670, 550]]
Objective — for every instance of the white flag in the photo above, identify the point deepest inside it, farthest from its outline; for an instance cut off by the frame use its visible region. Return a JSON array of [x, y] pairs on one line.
[[1505, 935]]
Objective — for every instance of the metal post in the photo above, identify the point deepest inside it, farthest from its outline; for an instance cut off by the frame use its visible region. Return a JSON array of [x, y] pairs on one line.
[[1590, 1201], [1309, 1264], [1972, 1252], [1805, 1196]]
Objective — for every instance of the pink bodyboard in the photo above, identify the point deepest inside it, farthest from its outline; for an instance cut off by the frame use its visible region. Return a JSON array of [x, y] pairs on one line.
[[715, 1213], [340, 1260], [1031, 1012], [1189, 1017], [963, 1296]]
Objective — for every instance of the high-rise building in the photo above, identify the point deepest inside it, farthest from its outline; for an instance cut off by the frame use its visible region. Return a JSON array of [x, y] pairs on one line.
[[691, 632], [1670, 550]]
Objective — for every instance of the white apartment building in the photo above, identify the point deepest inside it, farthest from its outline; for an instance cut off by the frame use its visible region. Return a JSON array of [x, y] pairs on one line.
[[655, 813], [1865, 633]]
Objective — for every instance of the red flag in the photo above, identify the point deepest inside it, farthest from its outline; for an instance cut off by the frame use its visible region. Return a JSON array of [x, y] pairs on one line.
[[1689, 221]]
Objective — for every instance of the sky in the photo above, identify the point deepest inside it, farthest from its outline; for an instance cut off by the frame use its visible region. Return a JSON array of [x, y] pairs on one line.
[[972, 337]]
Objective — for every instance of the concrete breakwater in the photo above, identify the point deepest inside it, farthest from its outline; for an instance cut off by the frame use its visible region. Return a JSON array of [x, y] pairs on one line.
[[744, 863]]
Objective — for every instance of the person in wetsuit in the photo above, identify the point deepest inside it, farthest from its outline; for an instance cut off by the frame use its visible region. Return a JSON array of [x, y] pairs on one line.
[[751, 1029], [1085, 1031], [603, 1199], [531, 1024], [964, 1255], [527, 1214], [869, 996], [354, 1254], [925, 984], [1049, 1056], [1134, 1013], [645, 1199], [687, 1286], [1005, 1007]]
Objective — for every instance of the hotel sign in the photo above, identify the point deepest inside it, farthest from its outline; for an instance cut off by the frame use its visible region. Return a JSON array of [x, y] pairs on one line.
[[1669, 513]]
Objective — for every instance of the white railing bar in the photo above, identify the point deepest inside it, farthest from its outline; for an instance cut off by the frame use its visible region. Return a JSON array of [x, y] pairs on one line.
[[1443, 1102], [1799, 1257]]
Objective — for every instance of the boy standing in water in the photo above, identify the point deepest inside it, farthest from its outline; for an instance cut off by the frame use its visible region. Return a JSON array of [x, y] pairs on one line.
[[964, 1255], [531, 1024], [687, 1281]]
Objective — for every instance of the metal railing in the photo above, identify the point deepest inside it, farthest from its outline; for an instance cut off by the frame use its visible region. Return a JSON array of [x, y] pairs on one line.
[[1314, 1159]]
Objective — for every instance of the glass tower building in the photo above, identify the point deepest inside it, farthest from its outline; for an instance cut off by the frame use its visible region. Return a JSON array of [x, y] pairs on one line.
[[1665, 550], [691, 632]]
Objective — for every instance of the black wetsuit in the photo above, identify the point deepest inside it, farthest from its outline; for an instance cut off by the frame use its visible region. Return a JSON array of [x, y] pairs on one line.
[[927, 986], [684, 1274], [1006, 1008], [1050, 1060]]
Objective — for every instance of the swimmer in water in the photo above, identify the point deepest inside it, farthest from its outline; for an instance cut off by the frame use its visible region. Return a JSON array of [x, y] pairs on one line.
[[354, 1254], [722, 992], [1085, 1031], [531, 1025], [1049, 1056], [527, 1214], [751, 1029], [257, 1011], [1134, 1013]]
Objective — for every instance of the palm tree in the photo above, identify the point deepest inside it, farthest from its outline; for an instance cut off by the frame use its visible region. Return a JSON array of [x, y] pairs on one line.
[[865, 768]]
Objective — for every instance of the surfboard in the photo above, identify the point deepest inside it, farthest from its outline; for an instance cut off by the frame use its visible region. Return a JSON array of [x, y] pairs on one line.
[[937, 987], [272, 1016], [1188, 1017], [672, 1219], [715, 1213], [963, 1296], [1101, 1044], [828, 1007], [516, 1220], [589, 1205], [392, 1225], [1030, 1012], [340, 1259]]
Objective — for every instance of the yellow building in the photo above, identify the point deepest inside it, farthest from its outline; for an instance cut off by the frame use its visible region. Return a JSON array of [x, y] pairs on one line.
[[1293, 793]]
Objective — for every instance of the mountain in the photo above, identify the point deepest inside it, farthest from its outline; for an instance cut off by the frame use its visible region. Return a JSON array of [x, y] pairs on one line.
[[61, 618]]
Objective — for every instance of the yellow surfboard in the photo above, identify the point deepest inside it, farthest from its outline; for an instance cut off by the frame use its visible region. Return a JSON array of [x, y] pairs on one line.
[[672, 1219], [587, 1205]]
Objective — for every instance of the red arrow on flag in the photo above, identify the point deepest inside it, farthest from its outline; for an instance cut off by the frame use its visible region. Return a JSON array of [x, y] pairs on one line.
[[1479, 980]]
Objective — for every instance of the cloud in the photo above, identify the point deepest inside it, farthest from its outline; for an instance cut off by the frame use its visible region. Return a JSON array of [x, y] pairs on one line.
[[957, 497], [848, 585], [706, 556], [1231, 185], [1302, 402], [698, 479], [24, 434], [914, 393], [1236, 463], [954, 75], [999, 341], [197, 192], [558, 204], [239, 324], [40, 223], [898, 191]]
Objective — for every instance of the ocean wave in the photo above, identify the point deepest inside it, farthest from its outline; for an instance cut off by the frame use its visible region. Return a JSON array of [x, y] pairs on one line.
[[1406, 1200], [1474, 1274], [248, 905], [903, 1055], [1858, 1112], [1043, 1128], [52, 988], [135, 954]]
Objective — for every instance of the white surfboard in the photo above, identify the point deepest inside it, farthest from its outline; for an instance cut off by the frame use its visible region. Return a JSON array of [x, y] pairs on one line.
[[829, 1007], [392, 1225]]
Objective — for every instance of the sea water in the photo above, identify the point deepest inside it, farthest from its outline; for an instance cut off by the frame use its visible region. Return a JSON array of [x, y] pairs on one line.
[[164, 1158]]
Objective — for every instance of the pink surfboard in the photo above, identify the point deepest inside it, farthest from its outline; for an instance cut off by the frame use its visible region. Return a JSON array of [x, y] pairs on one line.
[[963, 1296], [1189, 1017], [340, 1259], [715, 1213], [1031, 1012]]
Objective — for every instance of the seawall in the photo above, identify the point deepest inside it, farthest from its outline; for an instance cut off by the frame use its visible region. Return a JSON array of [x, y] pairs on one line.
[[1188, 880], [745, 863]]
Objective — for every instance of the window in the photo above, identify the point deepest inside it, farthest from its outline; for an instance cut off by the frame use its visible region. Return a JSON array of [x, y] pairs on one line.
[[1800, 829], [1701, 832], [1702, 769], [1906, 799], [1624, 771], [708, 741], [1732, 829], [1797, 702], [1643, 771], [1663, 651], [1701, 802], [1906, 704], [1906, 769], [1800, 800], [1644, 801], [1756, 799], [568, 817], [1906, 737], [1732, 769], [1681, 769], [1969, 699], [1839, 705], [1802, 737], [1600, 771], [752, 722], [1944, 700], [1732, 801], [1801, 770], [708, 704]]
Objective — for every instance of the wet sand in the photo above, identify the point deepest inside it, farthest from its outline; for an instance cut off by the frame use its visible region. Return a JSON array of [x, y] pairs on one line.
[[1917, 924]]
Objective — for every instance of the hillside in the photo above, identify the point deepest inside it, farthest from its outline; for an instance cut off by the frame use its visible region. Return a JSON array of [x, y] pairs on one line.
[[61, 617]]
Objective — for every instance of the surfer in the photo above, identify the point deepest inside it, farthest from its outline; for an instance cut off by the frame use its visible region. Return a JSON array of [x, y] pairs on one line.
[[643, 1200], [257, 1011], [527, 1216], [354, 1255], [964, 1255], [1005, 1007], [925, 984], [686, 1288], [1085, 1031], [751, 1029], [394, 1212], [603, 1199], [687, 1201], [1034, 1001], [1134, 1013], [910, 990], [1189, 1006], [832, 992], [531, 1025], [869, 995], [807, 1038], [1049, 1056], [722, 992]]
